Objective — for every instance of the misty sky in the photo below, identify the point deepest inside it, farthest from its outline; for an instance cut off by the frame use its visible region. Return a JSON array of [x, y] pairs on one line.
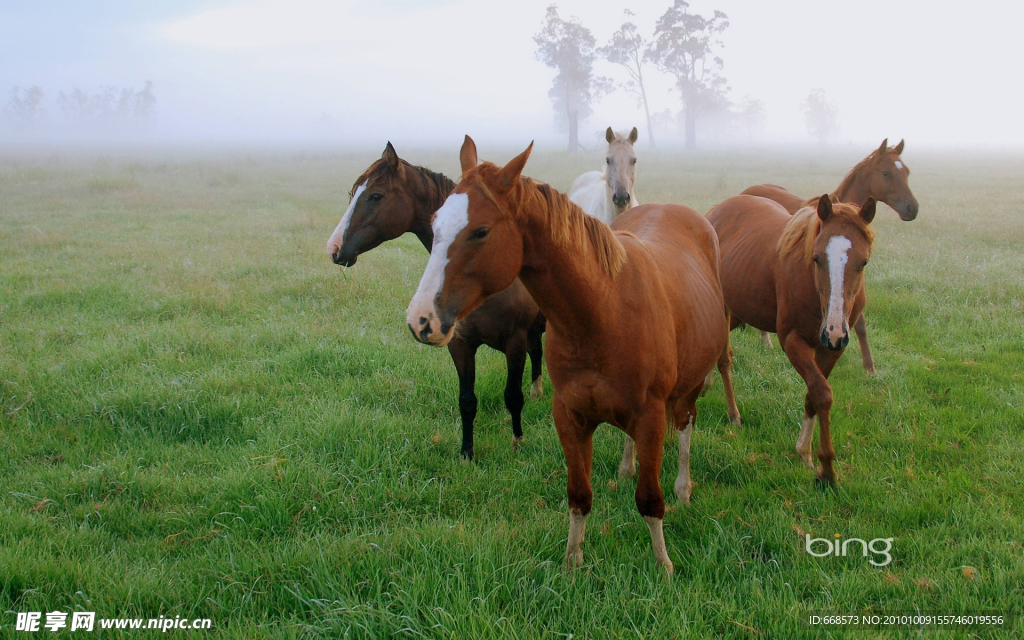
[[431, 70]]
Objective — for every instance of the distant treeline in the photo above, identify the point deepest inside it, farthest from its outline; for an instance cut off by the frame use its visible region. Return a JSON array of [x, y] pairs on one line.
[[108, 110]]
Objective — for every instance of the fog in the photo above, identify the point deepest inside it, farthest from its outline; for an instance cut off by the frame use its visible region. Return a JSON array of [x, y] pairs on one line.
[[423, 72]]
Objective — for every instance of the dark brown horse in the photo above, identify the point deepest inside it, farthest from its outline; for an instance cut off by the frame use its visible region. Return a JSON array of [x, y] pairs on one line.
[[882, 176], [800, 276], [635, 315], [392, 197]]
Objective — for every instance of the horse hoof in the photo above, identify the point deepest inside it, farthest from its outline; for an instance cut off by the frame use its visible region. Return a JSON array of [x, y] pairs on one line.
[[669, 569], [517, 442], [627, 470], [683, 492], [871, 370], [537, 389], [825, 483], [467, 456], [574, 558], [767, 340], [736, 422]]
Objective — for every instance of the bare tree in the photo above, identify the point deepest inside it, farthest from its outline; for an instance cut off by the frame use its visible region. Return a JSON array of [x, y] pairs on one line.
[[568, 46], [751, 115], [820, 116], [630, 50], [24, 108], [684, 46]]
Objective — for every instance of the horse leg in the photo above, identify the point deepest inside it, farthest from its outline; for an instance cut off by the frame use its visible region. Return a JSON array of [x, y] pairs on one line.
[[861, 327], [464, 356], [627, 468], [725, 368], [535, 347], [577, 442], [515, 357], [766, 338], [817, 402], [685, 413], [649, 433]]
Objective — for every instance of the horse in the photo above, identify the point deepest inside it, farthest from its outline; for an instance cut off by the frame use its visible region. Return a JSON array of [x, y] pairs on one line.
[[800, 276], [606, 194], [882, 176], [635, 315], [393, 197]]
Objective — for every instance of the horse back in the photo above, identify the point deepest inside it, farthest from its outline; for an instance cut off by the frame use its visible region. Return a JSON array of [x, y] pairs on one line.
[[679, 252], [790, 201], [748, 229]]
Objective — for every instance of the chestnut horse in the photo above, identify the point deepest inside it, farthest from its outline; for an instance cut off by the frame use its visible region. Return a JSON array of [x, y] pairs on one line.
[[392, 197], [800, 276], [635, 315], [606, 194], [882, 176]]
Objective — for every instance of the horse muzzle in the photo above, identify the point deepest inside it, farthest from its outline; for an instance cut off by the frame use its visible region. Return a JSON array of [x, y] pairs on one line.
[[428, 327], [908, 211], [621, 199], [835, 340]]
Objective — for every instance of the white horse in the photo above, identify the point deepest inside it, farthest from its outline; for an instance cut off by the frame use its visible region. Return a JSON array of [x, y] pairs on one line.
[[606, 194]]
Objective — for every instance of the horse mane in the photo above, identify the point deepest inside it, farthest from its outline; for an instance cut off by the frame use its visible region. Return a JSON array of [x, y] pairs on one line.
[[802, 229], [441, 184], [569, 226], [848, 179]]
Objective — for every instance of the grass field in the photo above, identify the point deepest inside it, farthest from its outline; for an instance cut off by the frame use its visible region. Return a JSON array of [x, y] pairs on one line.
[[201, 416]]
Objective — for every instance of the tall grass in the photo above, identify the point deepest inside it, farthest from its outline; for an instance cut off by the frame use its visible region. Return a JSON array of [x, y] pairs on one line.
[[201, 416]]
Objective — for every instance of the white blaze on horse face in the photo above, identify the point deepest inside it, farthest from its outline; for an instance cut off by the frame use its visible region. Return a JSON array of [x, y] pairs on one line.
[[450, 219], [899, 165], [337, 238], [836, 252]]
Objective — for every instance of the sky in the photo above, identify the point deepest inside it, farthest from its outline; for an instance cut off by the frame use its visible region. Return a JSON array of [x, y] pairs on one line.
[[425, 71]]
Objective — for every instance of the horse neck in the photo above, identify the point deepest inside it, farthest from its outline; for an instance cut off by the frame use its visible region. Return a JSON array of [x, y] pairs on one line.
[[430, 190], [854, 188], [569, 285]]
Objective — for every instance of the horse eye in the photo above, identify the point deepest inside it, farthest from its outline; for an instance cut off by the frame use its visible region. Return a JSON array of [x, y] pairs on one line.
[[479, 233], [886, 174], [375, 197], [608, 160], [817, 260], [633, 161], [864, 265]]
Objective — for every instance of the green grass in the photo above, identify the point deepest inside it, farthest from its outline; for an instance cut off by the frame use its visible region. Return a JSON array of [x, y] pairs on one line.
[[201, 416]]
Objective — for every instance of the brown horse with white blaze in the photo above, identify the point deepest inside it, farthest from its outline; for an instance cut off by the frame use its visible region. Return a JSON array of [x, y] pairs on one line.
[[393, 197], [635, 315], [882, 176], [800, 276]]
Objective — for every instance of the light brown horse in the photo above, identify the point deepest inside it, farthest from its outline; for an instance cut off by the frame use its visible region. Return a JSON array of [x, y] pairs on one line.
[[393, 197], [800, 276], [882, 176], [635, 315]]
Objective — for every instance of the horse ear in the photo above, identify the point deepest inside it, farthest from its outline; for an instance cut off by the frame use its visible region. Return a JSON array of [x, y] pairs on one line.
[[391, 157], [824, 207], [609, 135], [867, 212], [467, 156], [633, 135], [899, 148], [511, 171], [885, 142]]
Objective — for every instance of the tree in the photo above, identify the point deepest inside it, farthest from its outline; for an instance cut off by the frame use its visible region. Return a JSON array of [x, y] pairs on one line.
[[751, 115], [630, 50], [684, 46], [568, 46], [24, 107], [820, 116]]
